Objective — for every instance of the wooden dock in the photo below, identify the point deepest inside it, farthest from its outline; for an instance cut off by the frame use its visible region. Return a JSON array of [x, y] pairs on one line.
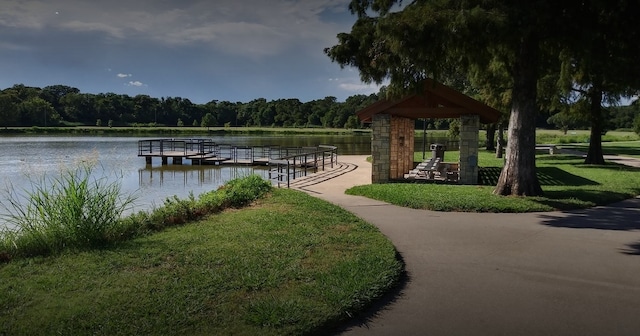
[[285, 163], [207, 152]]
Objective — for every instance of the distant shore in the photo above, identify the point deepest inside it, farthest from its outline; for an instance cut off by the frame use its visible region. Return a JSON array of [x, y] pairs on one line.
[[99, 130]]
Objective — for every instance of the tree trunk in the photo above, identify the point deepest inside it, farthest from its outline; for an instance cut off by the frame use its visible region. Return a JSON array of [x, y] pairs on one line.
[[518, 177], [491, 137], [594, 154], [500, 142]]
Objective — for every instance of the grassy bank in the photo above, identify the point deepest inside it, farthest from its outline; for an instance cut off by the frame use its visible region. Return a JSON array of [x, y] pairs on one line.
[[290, 264], [566, 181]]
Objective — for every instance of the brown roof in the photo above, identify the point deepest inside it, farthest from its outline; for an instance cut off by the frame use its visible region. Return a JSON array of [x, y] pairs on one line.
[[437, 101]]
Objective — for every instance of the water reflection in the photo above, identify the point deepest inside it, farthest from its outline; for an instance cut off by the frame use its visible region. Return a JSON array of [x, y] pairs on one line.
[[190, 176]]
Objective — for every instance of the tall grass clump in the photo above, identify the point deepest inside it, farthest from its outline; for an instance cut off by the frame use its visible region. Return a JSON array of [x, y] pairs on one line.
[[75, 210], [71, 210]]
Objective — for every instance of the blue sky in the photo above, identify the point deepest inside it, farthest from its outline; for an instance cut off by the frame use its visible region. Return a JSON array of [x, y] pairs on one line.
[[235, 50]]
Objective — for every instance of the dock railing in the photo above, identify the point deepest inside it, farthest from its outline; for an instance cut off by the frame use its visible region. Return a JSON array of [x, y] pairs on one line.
[[184, 147], [307, 160]]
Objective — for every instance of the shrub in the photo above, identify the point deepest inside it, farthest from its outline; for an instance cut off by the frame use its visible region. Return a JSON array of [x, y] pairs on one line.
[[242, 191], [636, 124]]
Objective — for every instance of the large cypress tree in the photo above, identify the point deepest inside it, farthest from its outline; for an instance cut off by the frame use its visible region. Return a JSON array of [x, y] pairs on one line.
[[600, 61], [424, 38]]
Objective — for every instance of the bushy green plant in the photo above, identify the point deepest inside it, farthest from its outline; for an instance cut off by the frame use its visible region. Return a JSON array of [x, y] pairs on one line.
[[636, 124], [242, 191], [74, 209], [174, 211]]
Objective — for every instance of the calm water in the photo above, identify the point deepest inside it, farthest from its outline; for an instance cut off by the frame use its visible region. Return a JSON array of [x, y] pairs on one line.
[[26, 158]]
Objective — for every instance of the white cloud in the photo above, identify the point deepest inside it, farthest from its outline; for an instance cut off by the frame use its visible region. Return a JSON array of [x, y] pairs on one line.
[[136, 83], [246, 27], [121, 75], [355, 87], [81, 26]]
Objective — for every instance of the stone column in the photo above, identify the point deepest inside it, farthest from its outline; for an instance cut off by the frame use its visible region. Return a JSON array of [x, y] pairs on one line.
[[380, 148], [469, 138]]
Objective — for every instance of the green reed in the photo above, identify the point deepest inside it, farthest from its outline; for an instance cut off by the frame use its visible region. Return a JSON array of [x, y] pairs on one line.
[[74, 209]]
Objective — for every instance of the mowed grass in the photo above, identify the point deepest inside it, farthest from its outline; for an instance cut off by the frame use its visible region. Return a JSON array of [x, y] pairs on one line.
[[622, 148], [567, 184], [289, 264]]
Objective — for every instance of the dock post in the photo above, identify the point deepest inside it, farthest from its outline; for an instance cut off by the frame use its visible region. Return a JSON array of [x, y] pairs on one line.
[[165, 160], [147, 159], [177, 160]]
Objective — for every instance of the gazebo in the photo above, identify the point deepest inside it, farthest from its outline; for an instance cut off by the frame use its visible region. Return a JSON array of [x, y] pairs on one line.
[[393, 131]]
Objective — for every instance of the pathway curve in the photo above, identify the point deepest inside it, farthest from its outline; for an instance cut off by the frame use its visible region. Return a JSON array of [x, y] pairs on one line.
[[556, 273]]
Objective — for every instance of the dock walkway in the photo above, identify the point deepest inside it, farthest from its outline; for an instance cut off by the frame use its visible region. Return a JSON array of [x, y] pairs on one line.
[[206, 151], [285, 163]]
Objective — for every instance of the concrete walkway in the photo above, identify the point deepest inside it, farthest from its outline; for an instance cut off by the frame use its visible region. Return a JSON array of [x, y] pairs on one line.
[[557, 273]]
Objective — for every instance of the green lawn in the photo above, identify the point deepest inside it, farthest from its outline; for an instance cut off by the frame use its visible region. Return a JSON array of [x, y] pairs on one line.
[[623, 148], [566, 181], [289, 264]]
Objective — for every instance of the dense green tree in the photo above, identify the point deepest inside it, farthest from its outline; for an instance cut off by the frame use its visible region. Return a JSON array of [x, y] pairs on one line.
[[208, 121], [37, 111], [570, 117], [145, 109], [623, 116], [9, 114], [600, 61], [54, 94]]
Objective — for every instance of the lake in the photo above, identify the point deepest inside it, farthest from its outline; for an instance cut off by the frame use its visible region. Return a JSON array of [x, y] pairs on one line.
[[27, 158]]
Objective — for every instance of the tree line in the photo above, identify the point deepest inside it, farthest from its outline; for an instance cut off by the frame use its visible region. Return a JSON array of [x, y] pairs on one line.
[[61, 105]]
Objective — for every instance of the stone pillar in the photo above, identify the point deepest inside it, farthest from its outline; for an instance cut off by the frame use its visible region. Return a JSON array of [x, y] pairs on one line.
[[380, 148], [469, 138]]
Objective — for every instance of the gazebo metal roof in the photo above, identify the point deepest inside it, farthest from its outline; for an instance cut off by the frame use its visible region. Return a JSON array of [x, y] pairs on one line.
[[437, 101]]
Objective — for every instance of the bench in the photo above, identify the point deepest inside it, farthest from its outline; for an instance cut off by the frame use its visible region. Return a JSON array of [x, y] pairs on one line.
[[547, 148]]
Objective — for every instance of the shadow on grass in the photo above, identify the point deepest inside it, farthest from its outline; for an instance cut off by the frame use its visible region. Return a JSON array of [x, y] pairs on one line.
[[613, 150], [548, 176], [608, 166], [488, 176], [560, 158], [562, 199], [621, 216], [632, 249]]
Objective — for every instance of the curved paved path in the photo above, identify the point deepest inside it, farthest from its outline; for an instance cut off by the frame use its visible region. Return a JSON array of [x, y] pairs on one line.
[[558, 273]]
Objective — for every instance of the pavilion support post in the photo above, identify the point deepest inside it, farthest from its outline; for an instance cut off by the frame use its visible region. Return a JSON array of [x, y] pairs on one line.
[[402, 147], [469, 138], [381, 148]]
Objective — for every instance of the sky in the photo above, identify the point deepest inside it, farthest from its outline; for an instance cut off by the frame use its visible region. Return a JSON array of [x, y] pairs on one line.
[[202, 50]]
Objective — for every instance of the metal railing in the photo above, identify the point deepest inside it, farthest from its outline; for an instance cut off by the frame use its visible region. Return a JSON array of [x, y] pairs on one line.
[[308, 160], [184, 147]]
